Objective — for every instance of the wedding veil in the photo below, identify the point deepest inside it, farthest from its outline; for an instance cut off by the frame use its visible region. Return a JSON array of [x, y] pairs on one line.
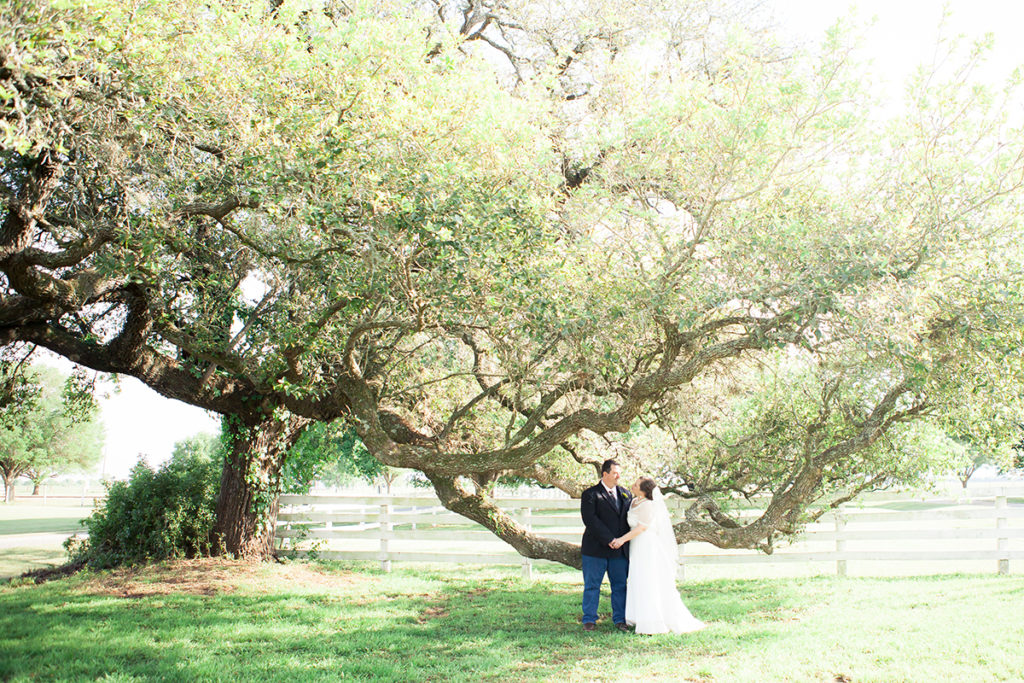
[[662, 528]]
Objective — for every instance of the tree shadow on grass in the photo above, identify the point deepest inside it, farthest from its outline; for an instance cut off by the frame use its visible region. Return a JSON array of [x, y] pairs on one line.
[[496, 629], [16, 561]]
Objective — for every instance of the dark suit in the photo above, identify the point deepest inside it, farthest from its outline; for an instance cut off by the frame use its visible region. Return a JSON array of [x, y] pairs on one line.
[[603, 521]]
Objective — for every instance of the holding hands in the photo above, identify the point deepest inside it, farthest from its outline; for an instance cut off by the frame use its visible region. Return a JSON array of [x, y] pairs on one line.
[[616, 543]]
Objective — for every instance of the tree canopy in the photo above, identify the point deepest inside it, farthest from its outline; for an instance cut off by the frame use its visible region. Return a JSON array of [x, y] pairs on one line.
[[500, 237]]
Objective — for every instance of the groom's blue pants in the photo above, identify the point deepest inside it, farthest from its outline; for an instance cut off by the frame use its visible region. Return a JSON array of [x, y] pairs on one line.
[[594, 569]]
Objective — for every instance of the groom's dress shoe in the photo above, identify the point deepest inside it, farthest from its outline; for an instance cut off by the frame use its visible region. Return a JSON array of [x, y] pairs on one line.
[[623, 627], [588, 627]]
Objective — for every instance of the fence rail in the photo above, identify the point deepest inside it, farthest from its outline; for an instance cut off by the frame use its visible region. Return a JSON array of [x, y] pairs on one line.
[[983, 523]]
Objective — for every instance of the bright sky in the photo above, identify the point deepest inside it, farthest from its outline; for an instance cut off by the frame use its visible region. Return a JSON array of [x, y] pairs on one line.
[[904, 32], [141, 422]]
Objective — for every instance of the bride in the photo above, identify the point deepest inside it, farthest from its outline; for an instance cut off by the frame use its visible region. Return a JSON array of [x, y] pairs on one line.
[[653, 604]]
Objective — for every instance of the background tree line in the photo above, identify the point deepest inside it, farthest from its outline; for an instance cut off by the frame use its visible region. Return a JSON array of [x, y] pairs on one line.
[[49, 422]]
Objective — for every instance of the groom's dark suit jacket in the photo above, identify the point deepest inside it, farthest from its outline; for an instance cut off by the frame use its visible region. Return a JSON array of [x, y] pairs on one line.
[[603, 522]]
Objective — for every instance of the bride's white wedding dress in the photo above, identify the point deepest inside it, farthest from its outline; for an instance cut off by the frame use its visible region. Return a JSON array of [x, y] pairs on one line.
[[653, 604]]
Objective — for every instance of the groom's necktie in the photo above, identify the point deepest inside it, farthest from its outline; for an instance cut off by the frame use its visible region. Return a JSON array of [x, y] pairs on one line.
[[615, 499]]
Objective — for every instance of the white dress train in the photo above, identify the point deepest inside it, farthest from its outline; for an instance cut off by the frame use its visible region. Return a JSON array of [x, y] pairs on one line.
[[653, 604]]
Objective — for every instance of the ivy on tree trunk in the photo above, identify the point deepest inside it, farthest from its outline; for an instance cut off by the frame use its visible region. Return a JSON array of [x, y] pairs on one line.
[[247, 504]]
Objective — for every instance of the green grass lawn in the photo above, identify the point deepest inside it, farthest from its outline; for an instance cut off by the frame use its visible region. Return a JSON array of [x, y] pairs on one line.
[[34, 518], [37, 525], [16, 560], [320, 621], [19, 555]]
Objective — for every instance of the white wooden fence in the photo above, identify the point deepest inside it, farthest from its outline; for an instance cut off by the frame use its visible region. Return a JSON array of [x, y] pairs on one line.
[[983, 527]]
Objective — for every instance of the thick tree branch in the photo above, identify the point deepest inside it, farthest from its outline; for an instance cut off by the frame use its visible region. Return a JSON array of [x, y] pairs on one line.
[[482, 510], [162, 374], [71, 255], [25, 212], [547, 476], [220, 211], [786, 506]]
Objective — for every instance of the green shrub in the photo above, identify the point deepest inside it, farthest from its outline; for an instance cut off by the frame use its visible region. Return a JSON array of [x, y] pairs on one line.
[[155, 515]]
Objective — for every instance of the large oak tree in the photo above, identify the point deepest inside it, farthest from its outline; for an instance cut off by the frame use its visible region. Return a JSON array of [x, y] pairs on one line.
[[486, 235]]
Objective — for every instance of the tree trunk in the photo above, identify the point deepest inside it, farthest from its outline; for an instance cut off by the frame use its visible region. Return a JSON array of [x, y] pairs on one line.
[[35, 488], [965, 476], [246, 512], [8, 490]]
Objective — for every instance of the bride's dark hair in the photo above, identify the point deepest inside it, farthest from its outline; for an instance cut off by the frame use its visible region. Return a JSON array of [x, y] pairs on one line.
[[647, 485]]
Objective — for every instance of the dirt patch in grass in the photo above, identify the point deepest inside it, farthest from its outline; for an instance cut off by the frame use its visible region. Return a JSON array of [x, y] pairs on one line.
[[439, 609], [432, 612], [211, 576]]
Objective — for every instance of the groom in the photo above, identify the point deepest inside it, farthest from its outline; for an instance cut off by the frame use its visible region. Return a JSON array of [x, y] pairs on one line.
[[604, 508]]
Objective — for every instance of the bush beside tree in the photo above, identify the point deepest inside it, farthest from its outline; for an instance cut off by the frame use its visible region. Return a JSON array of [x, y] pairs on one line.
[[157, 514]]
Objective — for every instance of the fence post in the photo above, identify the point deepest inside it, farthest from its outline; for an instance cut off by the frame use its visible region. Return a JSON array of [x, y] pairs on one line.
[[1002, 539], [385, 536], [840, 543], [284, 540], [681, 562], [524, 519]]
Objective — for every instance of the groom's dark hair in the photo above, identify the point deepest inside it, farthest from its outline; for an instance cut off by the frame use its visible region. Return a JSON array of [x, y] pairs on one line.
[[607, 466]]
